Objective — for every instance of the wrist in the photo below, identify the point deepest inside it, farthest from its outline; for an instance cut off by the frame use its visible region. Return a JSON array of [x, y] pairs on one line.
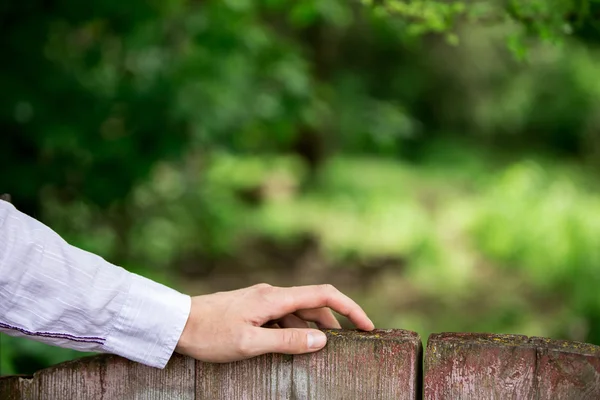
[[185, 339]]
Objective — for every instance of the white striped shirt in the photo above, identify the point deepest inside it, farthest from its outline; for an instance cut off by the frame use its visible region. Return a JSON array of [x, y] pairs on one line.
[[58, 294]]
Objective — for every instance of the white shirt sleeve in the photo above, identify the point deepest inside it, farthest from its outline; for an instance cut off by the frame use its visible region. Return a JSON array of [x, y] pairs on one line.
[[58, 294]]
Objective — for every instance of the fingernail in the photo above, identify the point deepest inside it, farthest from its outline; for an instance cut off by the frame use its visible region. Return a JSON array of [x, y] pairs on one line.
[[316, 340]]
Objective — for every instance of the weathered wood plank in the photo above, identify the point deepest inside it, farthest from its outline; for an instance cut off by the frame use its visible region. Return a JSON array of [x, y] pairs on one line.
[[361, 365], [487, 366], [266, 377], [10, 387], [105, 377], [567, 370], [383, 364], [479, 366], [379, 364]]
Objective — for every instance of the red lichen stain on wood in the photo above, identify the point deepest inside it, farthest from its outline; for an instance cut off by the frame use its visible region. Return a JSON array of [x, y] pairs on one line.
[[568, 369], [487, 366]]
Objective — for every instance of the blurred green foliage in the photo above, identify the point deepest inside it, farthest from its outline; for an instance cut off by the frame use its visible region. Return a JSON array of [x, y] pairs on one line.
[[546, 225], [437, 160]]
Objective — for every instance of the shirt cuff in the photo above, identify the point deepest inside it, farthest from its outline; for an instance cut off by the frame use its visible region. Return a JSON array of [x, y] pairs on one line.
[[150, 323]]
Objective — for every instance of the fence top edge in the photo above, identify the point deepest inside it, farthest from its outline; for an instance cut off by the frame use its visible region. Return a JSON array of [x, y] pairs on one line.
[[397, 335], [501, 340]]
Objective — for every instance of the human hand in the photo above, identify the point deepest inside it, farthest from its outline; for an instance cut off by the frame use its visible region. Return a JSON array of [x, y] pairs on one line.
[[230, 326]]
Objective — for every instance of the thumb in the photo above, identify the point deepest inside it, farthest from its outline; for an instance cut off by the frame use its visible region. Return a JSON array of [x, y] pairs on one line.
[[290, 340]]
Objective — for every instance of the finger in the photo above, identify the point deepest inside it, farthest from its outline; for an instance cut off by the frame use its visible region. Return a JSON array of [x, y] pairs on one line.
[[292, 321], [323, 317], [290, 300], [287, 341]]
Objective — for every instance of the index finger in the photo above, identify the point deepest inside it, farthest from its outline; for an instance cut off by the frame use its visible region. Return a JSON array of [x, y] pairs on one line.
[[292, 299]]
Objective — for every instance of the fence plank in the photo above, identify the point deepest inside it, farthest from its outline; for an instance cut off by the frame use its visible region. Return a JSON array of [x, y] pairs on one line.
[[105, 377], [567, 370], [265, 377], [10, 387], [487, 366], [384, 364]]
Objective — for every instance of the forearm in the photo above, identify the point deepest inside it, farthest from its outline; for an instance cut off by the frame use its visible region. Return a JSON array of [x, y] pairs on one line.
[[61, 295]]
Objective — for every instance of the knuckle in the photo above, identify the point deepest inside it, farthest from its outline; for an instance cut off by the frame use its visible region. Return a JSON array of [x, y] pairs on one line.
[[262, 286], [328, 288], [269, 295], [291, 339], [264, 289]]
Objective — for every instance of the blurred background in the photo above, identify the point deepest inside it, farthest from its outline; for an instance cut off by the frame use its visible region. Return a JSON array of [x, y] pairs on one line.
[[435, 160]]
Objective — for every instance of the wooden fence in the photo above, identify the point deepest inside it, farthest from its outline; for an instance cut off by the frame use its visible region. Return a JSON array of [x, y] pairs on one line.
[[384, 364]]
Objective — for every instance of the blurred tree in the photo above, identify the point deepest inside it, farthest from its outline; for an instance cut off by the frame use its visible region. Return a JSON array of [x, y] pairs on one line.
[[548, 20], [85, 109], [97, 94]]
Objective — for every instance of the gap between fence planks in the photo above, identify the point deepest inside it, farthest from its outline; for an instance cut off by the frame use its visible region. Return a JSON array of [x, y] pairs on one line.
[[383, 364]]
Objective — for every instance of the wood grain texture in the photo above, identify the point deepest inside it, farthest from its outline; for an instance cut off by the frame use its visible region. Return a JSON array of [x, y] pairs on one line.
[[10, 387], [266, 377], [106, 377], [487, 366], [383, 364], [567, 370], [353, 365]]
